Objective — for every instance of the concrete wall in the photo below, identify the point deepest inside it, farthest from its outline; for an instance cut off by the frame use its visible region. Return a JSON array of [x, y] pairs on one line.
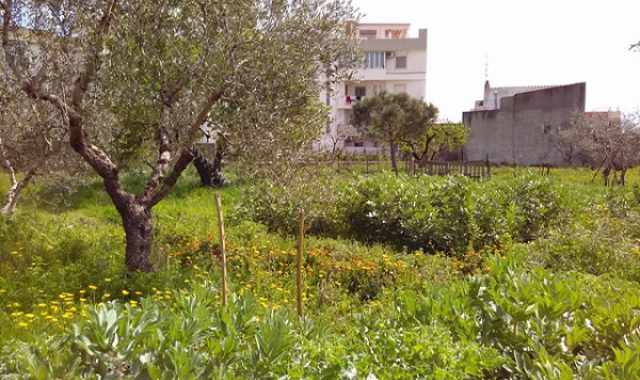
[[523, 130]]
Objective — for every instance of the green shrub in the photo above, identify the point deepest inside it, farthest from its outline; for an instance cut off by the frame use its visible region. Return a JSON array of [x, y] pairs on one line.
[[600, 250], [447, 214], [372, 208], [494, 216], [567, 322], [429, 214], [188, 339], [563, 306], [432, 214], [278, 207], [537, 203]]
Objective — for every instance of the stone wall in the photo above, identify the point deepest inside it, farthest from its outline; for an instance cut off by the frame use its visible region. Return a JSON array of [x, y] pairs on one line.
[[523, 130]]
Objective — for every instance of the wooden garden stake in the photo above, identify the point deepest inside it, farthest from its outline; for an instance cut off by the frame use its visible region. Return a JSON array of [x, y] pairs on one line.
[[299, 265], [223, 253]]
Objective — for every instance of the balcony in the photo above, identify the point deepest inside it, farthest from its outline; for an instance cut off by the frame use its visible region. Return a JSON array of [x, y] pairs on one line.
[[347, 102]]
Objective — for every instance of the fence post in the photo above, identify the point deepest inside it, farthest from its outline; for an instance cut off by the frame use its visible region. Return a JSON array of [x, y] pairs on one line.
[[223, 253], [366, 157], [299, 258]]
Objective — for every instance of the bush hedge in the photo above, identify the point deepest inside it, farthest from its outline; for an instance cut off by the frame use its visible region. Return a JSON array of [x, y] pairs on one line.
[[426, 213]]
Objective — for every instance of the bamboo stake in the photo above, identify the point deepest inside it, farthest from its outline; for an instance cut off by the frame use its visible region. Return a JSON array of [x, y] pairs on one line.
[[299, 265], [223, 253]]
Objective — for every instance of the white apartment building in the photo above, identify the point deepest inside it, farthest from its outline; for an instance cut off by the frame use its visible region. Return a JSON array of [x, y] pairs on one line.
[[393, 63]]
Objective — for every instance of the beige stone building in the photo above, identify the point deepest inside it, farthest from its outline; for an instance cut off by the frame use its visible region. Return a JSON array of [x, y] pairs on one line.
[[393, 62]]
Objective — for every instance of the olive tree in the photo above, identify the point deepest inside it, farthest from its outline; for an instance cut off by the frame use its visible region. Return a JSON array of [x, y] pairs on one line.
[[427, 139], [32, 134], [296, 107], [136, 81], [608, 144], [397, 119], [32, 143]]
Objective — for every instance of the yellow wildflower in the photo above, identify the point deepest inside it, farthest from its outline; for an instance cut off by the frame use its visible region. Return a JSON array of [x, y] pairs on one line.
[[125, 292], [92, 287]]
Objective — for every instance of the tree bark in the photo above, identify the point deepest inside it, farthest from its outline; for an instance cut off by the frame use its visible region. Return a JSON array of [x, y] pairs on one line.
[[138, 228], [11, 198], [210, 171], [393, 150], [135, 211]]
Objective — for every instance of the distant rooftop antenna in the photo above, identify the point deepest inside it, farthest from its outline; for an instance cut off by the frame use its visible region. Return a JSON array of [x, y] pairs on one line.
[[486, 66]]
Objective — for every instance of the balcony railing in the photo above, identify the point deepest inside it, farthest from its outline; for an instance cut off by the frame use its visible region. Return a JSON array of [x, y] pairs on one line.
[[348, 101]]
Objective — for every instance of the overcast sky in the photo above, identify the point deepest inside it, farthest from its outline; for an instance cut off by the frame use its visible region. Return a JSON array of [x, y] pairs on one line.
[[539, 42]]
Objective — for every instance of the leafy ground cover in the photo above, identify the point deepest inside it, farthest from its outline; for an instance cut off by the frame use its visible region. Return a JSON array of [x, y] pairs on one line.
[[519, 277]]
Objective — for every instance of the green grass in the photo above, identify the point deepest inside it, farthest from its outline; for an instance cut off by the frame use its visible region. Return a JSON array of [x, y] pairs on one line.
[[562, 306]]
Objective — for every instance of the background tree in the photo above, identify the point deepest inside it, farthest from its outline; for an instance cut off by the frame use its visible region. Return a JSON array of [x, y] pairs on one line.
[[209, 157], [427, 140], [32, 136], [136, 80], [607, 142], [240, 135], [396, 119]]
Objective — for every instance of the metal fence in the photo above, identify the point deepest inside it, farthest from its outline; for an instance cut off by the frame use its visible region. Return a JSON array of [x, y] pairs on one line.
[[366, 165], [475, 170]]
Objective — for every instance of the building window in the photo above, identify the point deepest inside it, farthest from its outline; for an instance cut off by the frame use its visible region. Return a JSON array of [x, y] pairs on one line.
[[368, 34], [401, 62], [361, 92], [374, 60]]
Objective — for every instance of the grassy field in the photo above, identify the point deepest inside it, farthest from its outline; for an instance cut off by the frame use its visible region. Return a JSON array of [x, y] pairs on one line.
[[518, 277]]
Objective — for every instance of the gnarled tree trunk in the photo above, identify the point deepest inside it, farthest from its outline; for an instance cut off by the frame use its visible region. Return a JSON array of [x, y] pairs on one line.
[[393, 149], [210, 171], [13, 194], [138, 228], [11, 199]]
